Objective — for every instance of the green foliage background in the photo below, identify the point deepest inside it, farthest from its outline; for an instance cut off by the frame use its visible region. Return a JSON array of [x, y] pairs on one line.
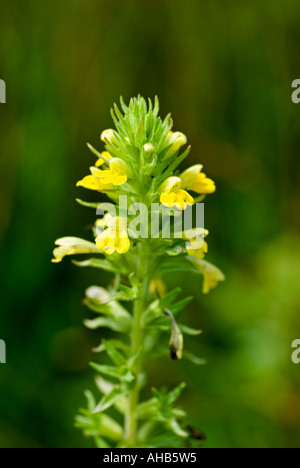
[[224, 70]]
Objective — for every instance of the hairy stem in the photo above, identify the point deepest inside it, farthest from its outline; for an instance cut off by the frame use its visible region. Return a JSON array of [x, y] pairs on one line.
[[136, 347]]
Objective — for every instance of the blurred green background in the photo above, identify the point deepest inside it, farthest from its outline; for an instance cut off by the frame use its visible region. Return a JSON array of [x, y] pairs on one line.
[[224, 70]]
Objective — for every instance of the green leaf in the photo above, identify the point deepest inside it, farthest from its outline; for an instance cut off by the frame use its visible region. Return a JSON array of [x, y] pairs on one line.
[[147, 409], [167, 300], [188, 330], [87, 204], [91, 402], [194, 359], [124, 294], [176, 266], [100, 443], [108, 400], [122, 373], [117, 344], [140, 134], [174, 394], [106, 387], [176, 162], [177, 429], [154, 317], [129, 293], [115, 356], [175, 251], [120, 326], [108, 306], [180, 305], [97, 425], [100, 263]]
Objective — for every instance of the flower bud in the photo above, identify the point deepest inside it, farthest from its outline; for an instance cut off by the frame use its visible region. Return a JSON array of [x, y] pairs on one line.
[[98, 294], [176, 340], [108, 136], [149, 159], [149, 150], [177, 140]]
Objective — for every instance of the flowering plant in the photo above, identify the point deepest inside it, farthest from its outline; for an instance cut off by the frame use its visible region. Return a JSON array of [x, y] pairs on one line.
[[138, 173]]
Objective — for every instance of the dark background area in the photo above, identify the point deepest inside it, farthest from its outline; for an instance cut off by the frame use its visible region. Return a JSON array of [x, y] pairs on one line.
[[224, 70]]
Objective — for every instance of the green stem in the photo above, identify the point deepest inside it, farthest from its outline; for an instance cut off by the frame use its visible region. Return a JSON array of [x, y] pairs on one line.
[[136, 346]]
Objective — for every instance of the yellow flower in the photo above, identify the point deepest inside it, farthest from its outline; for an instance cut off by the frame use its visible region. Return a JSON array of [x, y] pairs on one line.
[[72, 246], [173, 195], [115, 237], [211, 274], [196, 181], [101, 161], [103, 222], [197, 247], [102, 180], [92, 183], [117, 174], [177, 140]]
